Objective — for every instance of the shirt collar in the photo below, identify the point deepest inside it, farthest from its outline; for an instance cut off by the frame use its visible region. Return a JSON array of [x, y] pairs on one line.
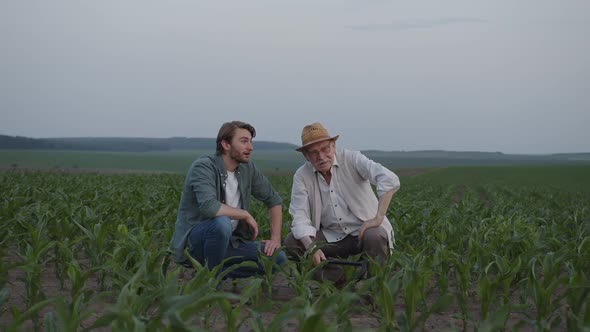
[[218, 160]]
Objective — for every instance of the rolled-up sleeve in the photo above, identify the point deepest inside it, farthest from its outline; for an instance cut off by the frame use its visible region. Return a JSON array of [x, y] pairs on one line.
[[299, 209], [262, 189], [202, 184], [380, 176]]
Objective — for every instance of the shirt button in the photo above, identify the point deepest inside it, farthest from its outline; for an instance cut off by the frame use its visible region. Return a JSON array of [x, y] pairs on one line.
[[340, 219], [336, 205]]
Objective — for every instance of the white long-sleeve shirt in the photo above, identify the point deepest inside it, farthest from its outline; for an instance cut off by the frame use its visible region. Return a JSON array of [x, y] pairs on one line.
[[350, 189]]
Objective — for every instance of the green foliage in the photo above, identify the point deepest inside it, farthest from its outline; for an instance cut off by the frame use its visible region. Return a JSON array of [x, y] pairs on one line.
[[513, 240]]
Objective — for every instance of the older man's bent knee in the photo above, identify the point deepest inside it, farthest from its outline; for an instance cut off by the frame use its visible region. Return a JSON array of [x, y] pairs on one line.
[[375, 242]]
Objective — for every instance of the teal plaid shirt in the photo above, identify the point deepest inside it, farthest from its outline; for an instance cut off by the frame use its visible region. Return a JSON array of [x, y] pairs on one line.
[[204, 192]]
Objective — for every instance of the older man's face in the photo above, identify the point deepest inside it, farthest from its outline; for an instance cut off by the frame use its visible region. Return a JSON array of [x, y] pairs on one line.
[[321, 155]]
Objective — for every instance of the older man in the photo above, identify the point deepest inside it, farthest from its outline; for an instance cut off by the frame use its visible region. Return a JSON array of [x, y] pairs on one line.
[[333, 205]]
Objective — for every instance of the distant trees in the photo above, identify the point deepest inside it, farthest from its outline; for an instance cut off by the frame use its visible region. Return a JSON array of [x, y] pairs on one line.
[[123, 144]]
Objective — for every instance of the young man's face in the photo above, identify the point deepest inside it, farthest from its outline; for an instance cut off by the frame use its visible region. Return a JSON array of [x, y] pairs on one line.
[[321, 155], [241, 147]]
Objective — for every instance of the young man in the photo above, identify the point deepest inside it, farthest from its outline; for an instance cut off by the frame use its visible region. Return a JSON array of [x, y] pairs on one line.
[[213, 221], [333, 205]]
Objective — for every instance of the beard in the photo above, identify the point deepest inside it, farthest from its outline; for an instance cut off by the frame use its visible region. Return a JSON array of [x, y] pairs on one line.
[[237, 156]]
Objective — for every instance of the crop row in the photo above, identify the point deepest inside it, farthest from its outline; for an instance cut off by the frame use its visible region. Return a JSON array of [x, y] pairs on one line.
[[473, 252]]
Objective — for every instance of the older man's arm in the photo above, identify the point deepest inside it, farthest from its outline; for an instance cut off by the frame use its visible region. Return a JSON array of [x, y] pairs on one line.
[[386, 183], [300, 211], [301, 226], [384, 201]]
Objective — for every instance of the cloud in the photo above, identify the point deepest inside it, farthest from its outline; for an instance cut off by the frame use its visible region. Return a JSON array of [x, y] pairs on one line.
[[416, 24]]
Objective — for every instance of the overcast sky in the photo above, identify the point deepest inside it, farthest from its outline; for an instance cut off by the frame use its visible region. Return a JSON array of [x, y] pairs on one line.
[[492, 75]]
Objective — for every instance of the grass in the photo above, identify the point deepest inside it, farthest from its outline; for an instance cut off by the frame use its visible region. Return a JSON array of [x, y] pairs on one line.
[[564, 177], [275, 162], [177, 161]]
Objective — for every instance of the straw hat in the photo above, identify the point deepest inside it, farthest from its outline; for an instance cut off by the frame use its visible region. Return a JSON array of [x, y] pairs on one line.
[[314, 133]]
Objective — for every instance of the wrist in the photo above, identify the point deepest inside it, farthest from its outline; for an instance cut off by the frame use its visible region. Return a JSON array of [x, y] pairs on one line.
[[307, 242]]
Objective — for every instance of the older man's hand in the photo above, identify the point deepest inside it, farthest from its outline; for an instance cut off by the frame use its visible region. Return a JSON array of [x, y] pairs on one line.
[[318, 257], [375, 222]]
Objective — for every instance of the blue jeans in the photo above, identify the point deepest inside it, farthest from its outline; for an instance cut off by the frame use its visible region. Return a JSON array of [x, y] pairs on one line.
[[209, 243]]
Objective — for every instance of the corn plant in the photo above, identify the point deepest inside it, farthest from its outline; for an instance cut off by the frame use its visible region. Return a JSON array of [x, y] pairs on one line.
[[4, 264], [310, 314], [463, 276], [19, 317], [578, 301], [33, 258], [269, 268], [495, 321], [71, 311], [231, 312], [416, 275], [385, 285], [303, 275], [542, 282], [495, 281], [516, 238], [95, 243]]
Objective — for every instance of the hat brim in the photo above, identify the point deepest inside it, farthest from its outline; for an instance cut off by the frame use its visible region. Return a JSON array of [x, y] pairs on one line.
[[300, 149]]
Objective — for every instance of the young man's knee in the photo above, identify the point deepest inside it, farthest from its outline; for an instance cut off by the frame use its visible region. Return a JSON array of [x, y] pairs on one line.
[[281, 258], [221, 225]]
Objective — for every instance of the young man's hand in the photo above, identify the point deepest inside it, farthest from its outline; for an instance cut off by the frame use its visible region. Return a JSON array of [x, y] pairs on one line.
[[253, 225], [270, 246]]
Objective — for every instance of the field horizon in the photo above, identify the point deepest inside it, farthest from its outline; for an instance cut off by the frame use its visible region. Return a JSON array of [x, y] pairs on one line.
[[281, 161], [152, 144]]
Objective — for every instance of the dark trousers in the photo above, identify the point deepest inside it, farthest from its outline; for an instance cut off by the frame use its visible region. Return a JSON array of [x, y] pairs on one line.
[[375, 244]]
